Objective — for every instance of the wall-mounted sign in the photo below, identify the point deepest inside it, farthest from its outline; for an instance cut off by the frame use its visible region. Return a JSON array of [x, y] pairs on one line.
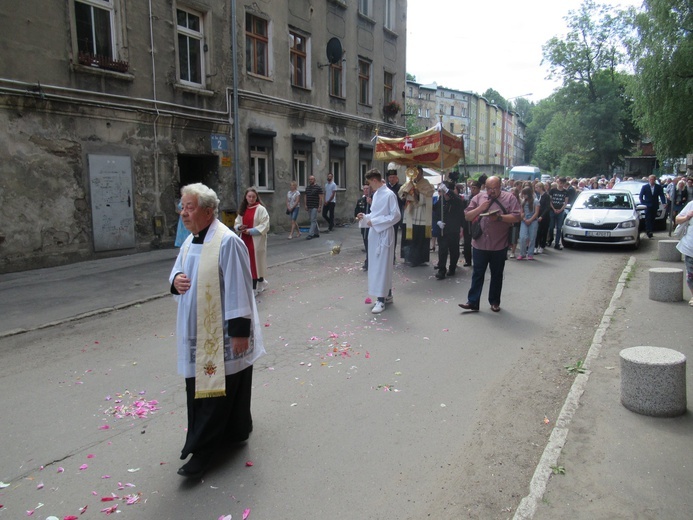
[[220, 142], [226, 162]]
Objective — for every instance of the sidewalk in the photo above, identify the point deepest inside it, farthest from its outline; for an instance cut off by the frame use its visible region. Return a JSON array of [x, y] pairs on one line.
[[43, 297], [619, 464]]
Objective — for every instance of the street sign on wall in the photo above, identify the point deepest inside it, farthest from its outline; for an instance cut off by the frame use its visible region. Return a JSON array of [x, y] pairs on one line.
[[220, 143]]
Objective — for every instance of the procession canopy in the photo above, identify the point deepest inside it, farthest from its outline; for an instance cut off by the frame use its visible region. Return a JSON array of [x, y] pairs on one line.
[[436, 147]]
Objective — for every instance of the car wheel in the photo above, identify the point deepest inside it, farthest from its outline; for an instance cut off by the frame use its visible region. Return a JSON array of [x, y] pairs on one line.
[[636, 246]]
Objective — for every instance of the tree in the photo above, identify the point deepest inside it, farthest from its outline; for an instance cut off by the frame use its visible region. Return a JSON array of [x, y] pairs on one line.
[[662, 89], [494, 97], [590, 128], [411, 77]]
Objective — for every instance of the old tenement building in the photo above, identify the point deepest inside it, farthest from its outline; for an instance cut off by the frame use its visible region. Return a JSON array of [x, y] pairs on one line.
[[107, 106]]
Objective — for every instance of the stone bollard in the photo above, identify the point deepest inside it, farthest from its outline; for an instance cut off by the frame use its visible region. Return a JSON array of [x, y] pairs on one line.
[[653, 381], [668, 251], [666, 284]]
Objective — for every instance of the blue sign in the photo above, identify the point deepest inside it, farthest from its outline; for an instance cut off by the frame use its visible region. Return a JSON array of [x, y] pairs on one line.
[[220, 143]]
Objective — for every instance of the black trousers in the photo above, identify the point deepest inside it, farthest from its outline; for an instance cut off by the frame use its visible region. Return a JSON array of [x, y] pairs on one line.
[[216, 421], [416, 250], [448, 244], [328, 214]]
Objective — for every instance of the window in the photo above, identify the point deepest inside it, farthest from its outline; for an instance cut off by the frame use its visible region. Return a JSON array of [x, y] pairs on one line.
[[364, 82], [411, 91], [365, 160], [256, 45], [190, 42], [299, 55], [337, 162], [390, 14], [365, 7], [452, 128], [364, 166], [452, 110], [388, 82], [301, 168], [337, 80], [94, 24], [302, 153], [259, 167]]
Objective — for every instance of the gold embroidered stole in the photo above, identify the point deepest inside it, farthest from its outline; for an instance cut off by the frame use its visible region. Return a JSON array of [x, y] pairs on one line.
[[210, 375]]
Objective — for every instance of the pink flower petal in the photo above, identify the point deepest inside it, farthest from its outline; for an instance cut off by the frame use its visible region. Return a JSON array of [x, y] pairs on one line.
[[225, 517], [248, 464], [90, 456], [40, 486], [368, 300], [246, 514], [83, 467], [61, 470], [104, 427]]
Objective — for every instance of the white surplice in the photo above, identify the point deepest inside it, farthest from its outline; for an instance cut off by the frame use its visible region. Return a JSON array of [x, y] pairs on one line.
[[381, 240], [237, 300]]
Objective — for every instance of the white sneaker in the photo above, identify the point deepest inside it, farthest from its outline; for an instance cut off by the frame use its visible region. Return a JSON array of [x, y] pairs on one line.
[[378, 307], [690, 302], [389, 299], [512, 255], [540, 251], [261, 286], [536, 250]]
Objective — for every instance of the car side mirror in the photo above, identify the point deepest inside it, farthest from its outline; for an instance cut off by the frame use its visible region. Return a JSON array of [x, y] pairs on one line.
[[641, 207]]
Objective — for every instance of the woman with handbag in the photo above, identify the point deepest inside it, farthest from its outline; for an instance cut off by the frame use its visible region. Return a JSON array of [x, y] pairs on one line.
[[685, 244]]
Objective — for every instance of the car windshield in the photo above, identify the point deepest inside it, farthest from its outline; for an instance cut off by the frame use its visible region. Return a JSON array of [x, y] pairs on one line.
[[613, 200]]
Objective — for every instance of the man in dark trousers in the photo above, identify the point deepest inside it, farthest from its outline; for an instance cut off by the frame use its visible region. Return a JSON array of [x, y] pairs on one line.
[[650, 195], [450, 224]]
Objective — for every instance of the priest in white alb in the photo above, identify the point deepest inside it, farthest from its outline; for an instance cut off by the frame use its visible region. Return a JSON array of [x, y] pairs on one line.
[[381, 221], [218, 331]]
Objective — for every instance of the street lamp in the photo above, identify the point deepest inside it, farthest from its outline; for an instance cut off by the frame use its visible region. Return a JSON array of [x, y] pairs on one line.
[[503, 129]]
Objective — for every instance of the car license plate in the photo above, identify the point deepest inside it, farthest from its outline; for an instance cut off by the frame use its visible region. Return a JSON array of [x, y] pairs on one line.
[[598, 233]]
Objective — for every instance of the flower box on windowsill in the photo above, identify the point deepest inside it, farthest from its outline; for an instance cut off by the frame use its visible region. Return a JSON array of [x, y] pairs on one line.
[[103, 62], [391, 109]]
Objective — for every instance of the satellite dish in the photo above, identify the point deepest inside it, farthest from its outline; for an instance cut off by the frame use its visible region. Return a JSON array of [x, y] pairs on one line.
[[334, 50]]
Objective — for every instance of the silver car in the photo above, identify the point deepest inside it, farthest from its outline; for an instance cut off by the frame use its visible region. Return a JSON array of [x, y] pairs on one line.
[[603, 217], [634, 187]]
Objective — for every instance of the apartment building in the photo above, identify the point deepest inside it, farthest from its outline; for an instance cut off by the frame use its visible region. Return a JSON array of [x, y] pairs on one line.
[[108, 106], [494, 139]]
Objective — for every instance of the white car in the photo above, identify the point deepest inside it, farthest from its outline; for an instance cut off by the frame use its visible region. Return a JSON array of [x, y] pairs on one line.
[[603, 217]]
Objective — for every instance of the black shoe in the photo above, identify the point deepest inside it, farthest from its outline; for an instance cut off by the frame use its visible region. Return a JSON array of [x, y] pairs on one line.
[[440, 275], [194, 468], [469, 307], [309, 237], [649, 235], [451, 272], [467, 265]]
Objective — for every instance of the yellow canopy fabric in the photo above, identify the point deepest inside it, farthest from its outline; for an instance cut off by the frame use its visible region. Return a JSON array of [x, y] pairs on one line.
[[424, 149]]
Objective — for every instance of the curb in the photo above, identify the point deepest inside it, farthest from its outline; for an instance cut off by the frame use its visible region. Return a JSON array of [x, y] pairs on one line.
[[553, 450]]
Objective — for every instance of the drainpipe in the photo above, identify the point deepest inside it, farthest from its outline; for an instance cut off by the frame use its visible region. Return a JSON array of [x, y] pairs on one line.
[[157, 199], [234, 118]]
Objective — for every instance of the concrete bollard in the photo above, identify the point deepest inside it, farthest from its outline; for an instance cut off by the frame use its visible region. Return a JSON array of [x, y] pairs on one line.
[[653, 381], [668, 251], [666, 284]]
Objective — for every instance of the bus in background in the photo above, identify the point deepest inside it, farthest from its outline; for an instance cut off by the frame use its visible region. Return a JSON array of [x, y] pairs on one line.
[[525, 173]]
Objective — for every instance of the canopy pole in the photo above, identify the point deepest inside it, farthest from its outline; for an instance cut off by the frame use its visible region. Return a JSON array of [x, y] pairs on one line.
[[442, 162]]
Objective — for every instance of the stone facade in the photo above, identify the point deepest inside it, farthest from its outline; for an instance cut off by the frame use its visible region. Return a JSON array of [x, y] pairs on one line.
[[157, 95]]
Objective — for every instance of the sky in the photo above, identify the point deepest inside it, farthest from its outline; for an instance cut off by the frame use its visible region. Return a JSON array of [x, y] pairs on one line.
[[475, 45]]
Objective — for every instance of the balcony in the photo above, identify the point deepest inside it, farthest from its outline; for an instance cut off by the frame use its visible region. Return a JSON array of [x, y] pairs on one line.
[[103, 62]]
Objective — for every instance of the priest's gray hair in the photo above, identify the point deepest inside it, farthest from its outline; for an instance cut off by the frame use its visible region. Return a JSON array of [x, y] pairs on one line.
[[206, 197]]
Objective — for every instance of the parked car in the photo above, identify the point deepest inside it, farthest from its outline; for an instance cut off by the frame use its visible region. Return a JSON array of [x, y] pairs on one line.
[[603, 217], [634, 187]]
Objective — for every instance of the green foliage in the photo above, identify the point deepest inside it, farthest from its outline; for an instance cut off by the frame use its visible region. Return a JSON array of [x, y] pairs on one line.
[[662, 53], [586, 127], [411, 77], [411, 119], [577, 368], [494, 97], [558, 470]]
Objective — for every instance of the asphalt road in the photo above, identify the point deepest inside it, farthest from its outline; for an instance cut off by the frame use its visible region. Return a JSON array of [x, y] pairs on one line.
[[356, 416]]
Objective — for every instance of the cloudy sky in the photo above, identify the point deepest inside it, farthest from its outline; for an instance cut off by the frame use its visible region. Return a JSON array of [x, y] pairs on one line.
[[474, 45]]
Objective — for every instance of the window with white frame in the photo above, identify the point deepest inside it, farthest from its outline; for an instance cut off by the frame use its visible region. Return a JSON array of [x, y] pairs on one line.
[[94, 24], [256, 45], [452, 110], [364, 82], [337, 163], [388, 83], [301, 162], [365, 161], [364, 166], [191, 68], [260, 167], [390, 14], [299, 59], [366, 8]]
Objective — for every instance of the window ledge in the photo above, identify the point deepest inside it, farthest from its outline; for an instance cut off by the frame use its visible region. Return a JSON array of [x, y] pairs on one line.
[[390, 32], [96, 71], [338, 3], [258, 76], [193, 90], [299, 87], [265, 190], [367, 18]]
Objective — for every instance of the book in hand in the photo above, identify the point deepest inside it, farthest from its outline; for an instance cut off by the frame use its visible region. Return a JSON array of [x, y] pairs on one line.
[[490, 213]]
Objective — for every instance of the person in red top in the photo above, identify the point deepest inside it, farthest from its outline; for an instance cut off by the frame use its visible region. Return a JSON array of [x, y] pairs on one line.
[[498, 211], [253, 223]]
